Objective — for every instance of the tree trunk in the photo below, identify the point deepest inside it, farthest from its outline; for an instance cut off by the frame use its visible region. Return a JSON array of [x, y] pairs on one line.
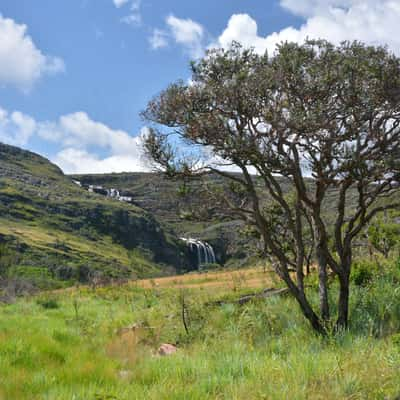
[[305, 306], [343, 302], [323, 283], [308, 271], [310, 314]]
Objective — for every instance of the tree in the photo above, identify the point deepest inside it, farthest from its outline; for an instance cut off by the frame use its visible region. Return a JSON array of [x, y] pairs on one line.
[[383, 234], [317, 117]]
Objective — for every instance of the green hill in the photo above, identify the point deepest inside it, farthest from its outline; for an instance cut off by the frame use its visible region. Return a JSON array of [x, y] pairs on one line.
[[180, 207], [183, 208], [59, 229]]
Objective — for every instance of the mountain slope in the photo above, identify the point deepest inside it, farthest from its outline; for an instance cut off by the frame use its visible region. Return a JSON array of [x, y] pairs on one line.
[[62, 229], [181, 207]]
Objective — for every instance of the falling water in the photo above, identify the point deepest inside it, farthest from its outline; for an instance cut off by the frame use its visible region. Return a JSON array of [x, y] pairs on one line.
[[113, 193], [204, 251]]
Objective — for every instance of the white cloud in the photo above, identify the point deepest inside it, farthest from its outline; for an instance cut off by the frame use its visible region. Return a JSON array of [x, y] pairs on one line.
[[134, 19], [158, 39], [80, 133], [120, 3], [79, 130], [16, 128], [21, 62], [243, 29], [79, 140], [76, 161], [188, 33], [308, 8], [135, 16], [370, 21], [373, 22], [185, 31]]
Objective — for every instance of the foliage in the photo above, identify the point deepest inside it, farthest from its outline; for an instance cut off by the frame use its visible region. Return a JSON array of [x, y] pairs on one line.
[[363, 272], [313, 109], [7, 258], [48, 302], [260, 350], [39, 277], [384, 235]]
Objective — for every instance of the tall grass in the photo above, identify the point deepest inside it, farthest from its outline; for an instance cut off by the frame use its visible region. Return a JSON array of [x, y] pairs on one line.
[[73, 349]]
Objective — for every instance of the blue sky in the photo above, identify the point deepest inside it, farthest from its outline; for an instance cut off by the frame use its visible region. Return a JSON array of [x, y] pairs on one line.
[[75, 74]]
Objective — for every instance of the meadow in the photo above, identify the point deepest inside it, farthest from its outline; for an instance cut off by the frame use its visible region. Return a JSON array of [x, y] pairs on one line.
[[101, 343]]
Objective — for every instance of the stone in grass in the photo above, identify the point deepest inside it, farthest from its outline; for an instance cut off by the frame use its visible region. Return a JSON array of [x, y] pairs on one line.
[[124, 374], [166, 349]]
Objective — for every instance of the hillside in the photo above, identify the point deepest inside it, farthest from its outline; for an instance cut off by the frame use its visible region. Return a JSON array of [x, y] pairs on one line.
[[181, 207], [59, 228]]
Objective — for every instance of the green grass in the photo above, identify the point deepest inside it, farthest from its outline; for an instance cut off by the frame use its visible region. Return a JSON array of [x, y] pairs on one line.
[[51, 222], [64, 345]]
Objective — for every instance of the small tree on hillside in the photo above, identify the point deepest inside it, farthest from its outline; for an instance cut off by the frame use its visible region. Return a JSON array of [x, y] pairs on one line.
[[384, 234], [318, 117]]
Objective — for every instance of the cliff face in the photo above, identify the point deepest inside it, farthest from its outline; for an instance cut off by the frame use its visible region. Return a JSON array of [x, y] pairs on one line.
[[51, 222], [181, 208]]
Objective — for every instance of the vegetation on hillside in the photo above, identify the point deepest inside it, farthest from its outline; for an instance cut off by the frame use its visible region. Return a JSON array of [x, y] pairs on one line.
[[59, 231]]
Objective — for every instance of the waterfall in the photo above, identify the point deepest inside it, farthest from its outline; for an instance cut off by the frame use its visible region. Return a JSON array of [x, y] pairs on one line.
[[203, 251], [114, 193]]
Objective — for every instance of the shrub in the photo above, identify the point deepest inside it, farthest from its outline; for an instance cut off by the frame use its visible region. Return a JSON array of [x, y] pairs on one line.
[[362, 272], [83, 273], [396, 340], [48, 303], [37, 276]]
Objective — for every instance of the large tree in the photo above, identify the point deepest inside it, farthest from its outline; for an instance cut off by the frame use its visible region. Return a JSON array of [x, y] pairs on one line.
[[318, 116]]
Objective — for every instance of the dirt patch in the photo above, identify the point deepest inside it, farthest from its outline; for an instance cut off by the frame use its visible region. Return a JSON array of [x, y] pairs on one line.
[[125, 345]]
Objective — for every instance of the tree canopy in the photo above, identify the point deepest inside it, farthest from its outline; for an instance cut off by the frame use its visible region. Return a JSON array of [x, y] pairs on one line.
[[319, 116]]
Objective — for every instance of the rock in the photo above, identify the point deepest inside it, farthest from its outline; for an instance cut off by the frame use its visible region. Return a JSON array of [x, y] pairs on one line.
[[124, 374], [167, 349]]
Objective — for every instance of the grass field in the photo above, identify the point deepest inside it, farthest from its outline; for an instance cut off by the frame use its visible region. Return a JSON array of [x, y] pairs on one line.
[[72, 344], [225, 280]]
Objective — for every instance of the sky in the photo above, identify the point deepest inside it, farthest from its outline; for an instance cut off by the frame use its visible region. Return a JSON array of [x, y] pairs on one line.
[[75, 74]]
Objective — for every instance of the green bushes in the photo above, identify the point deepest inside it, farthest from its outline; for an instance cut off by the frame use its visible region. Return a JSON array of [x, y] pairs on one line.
[[8, 258], [49, 303], [363, 271], [375, 300], [39, 277]]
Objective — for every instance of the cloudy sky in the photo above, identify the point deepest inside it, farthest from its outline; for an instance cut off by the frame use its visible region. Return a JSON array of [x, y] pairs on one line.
[[75, 74]]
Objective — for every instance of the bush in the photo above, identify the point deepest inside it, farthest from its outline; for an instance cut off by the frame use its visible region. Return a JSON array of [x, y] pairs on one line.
[[396, 340], [83, 273], [363, 271], [37, 276], [48, 303], [64, 272]]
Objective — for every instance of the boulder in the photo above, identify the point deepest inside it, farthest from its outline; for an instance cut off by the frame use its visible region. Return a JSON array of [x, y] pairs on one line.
[[167, 349]]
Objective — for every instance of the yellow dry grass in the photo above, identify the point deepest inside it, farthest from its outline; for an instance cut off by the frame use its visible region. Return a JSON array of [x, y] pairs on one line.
[[42, 238], [244, 278]]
